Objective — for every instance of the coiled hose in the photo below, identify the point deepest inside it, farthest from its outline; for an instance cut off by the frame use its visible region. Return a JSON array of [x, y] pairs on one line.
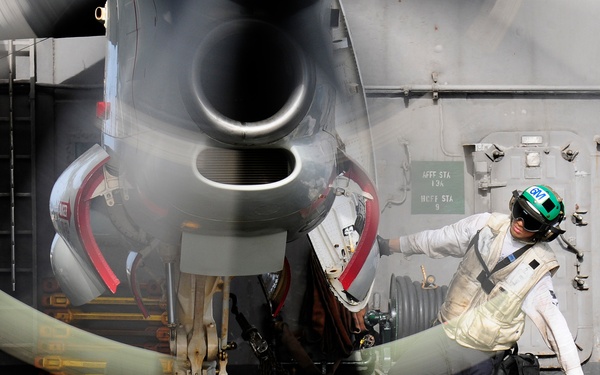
[[413, 307]]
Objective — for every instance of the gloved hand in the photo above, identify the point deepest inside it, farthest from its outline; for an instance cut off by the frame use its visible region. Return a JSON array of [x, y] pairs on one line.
[[384, 246]]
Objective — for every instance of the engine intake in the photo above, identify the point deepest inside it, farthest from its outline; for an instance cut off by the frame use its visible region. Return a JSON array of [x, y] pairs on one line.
[[249, 83]]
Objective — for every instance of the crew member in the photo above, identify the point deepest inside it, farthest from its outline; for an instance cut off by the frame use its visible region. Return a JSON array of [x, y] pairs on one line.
[[504, 275]]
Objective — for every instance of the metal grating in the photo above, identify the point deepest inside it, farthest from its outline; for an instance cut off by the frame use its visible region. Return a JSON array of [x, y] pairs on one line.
[[245, 166]]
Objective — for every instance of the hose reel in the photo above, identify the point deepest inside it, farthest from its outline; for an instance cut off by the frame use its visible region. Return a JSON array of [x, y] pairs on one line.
[[412, 307]]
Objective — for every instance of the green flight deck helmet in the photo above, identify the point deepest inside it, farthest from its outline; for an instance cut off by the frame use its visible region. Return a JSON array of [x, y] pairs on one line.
[[541, 209]]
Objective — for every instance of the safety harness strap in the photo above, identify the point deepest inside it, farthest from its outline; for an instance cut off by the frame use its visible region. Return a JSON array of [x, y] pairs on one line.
[[484, 276]]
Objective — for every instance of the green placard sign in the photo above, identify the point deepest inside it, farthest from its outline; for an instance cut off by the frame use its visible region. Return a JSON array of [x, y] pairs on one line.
[[437, 187]]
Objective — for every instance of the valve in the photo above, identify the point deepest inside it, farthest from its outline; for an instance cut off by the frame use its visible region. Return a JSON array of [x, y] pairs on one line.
[[384, 320], [428, 280]]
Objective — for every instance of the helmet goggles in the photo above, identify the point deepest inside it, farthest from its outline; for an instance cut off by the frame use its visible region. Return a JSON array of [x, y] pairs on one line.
[[521, 210]]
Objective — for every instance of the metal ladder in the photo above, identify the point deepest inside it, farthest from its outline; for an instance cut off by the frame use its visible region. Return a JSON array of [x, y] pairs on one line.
[[17, 166]]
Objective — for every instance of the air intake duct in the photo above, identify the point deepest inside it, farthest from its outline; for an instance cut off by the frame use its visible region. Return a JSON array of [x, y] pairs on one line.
[[245, 166], [249, 83]]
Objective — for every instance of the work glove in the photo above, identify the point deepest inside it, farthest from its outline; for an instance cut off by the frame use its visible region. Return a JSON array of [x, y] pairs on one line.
[[384, 246]]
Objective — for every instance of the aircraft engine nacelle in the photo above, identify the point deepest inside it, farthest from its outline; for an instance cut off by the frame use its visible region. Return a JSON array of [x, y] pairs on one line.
[[219, 146], [219, 126]]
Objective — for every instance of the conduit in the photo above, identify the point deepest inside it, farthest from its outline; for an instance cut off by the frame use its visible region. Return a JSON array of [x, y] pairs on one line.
[[417, 90]]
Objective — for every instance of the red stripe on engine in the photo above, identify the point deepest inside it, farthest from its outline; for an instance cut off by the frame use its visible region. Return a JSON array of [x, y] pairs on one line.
[[84, 227], [369, 234]]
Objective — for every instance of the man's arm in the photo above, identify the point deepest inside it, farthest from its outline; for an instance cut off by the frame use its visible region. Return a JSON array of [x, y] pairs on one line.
[[542, 308], [450, 240]]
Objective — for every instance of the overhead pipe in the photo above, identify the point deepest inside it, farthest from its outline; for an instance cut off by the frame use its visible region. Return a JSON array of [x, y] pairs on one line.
[[413, 90]]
